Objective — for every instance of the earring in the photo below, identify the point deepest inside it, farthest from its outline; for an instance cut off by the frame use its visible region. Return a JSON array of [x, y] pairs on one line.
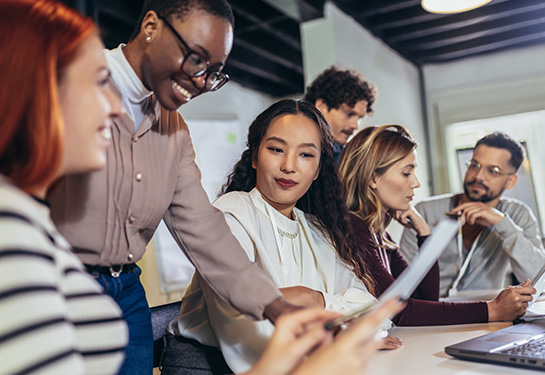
[[148, 38]]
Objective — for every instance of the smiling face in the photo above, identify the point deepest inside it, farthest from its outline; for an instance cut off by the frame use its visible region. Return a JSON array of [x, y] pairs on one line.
[[88, 106], [288, 161], [395, 188], [479, 185], [343, 120], [211, 36]]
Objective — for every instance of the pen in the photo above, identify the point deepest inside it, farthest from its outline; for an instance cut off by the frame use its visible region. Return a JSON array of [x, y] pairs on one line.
[[453, 216]]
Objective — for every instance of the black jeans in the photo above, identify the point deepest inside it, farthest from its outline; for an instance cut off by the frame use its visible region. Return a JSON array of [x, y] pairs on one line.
[[183, 356]]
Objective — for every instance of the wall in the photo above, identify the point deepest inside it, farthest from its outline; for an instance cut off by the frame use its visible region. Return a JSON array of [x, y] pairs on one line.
[[339, 39], [230, 102], [481, 87]]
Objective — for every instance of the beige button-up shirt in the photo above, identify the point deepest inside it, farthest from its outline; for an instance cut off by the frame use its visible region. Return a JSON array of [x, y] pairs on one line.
[[109, 216]]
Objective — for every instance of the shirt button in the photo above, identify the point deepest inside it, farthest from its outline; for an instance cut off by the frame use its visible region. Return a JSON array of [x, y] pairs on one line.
[[138, 177], [129, 257], [135, 139], [131, 219], [342, 308], [331, 306]]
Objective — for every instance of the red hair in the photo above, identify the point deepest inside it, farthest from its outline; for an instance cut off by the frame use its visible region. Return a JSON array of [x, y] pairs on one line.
[[42, 39]]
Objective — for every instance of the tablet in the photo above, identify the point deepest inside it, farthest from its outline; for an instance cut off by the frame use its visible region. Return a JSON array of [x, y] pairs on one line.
[[539, 283], [409, 279]]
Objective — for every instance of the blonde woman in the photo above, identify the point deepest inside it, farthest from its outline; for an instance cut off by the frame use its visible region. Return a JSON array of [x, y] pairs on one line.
[[377, 171]]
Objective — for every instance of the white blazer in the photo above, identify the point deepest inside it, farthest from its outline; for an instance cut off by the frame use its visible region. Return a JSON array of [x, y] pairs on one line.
[[306, 258]]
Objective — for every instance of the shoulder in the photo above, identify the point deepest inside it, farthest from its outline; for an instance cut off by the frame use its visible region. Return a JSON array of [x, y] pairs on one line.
[[436, 200], [24, 223], [513, 206], [436, 206], [233, 201]]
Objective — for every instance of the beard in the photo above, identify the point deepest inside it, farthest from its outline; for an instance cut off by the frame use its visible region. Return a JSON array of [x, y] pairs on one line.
[[486, 197]]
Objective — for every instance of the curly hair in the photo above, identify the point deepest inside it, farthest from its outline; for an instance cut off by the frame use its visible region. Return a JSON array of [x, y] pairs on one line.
[[372, 152], [337, 86], [180, 8], [324, 199]]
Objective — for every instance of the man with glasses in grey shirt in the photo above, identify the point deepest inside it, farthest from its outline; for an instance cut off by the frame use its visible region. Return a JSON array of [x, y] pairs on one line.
[[498, 232]]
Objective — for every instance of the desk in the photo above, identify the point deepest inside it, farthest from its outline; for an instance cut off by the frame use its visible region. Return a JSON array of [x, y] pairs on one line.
[[423, 352]]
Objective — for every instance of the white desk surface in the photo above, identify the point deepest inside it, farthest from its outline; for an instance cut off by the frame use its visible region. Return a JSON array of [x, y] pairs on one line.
[[423, 352]]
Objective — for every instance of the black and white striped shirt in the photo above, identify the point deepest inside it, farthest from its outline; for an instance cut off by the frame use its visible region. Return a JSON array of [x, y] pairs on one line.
[[54, 318]]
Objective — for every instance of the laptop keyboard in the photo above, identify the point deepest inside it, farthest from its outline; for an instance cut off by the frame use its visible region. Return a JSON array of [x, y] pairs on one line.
[[533, 348]]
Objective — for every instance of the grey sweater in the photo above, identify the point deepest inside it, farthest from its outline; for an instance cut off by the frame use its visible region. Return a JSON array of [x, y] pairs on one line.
[[514, 241]]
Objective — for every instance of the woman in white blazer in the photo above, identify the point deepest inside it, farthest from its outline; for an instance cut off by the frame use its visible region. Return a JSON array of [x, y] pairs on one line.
[[283, 203]]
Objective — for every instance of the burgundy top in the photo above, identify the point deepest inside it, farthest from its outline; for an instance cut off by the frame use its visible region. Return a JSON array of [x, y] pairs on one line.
[[423, 308]]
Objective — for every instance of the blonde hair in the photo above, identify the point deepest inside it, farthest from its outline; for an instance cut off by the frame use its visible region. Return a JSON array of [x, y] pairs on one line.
[[372, 152]]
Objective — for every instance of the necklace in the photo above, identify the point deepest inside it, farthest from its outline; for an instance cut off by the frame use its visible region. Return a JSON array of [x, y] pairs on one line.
[[291, 236]]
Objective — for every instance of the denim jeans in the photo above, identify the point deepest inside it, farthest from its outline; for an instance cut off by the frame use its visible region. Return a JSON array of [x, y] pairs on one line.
[[128, 292]]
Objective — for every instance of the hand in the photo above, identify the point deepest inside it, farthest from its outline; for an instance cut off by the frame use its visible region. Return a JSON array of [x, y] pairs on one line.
[[295, 337], [391, 343], [303, 296], [411, 218], [510, 303], [352, 349], [278, 307], [477, 213]]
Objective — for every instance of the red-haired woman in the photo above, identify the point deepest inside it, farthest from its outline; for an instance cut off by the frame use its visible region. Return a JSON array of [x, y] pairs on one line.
[[55, 109]]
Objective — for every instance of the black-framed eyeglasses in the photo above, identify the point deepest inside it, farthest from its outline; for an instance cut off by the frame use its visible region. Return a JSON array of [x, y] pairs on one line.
[[492, 171], [195, 65]]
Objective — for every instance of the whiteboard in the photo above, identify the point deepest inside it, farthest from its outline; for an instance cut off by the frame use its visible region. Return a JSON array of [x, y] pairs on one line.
[[218, 145]]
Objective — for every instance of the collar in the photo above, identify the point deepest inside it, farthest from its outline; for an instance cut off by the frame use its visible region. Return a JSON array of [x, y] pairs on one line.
[[125, 78]]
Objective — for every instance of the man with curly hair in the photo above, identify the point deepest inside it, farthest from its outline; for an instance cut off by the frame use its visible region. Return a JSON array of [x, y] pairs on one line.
[[344, 97]]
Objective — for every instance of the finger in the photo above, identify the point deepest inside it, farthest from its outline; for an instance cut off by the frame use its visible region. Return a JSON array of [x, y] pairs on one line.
[[525, 290], [388, 345], [310, 341], [293, 322], [394, 340], [525, 297], [364, 328]]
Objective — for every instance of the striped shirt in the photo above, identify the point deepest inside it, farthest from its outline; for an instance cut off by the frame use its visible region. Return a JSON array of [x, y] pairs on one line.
[[54, 318]]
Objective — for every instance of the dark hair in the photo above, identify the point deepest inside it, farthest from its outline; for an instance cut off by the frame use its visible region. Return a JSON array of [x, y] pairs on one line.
[[503, 141], [180, 8], [337, 86], [324, 199]]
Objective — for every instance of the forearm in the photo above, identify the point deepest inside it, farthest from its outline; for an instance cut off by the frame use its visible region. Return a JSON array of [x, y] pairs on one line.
[[424, 313], [523, 245]]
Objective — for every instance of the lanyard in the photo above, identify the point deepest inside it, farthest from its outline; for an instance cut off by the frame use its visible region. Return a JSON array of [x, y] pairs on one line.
[[454, 288]]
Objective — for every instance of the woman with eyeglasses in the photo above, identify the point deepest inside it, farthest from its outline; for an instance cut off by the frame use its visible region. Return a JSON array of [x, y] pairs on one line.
[[377, 171], [56, 113], [176, 54]]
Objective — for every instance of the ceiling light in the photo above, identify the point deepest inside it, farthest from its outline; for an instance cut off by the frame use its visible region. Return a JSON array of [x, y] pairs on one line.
[[452, 6]]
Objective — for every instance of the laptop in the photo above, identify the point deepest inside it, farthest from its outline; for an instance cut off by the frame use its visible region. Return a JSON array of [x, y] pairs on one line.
[[522, 345], [410, 278]]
